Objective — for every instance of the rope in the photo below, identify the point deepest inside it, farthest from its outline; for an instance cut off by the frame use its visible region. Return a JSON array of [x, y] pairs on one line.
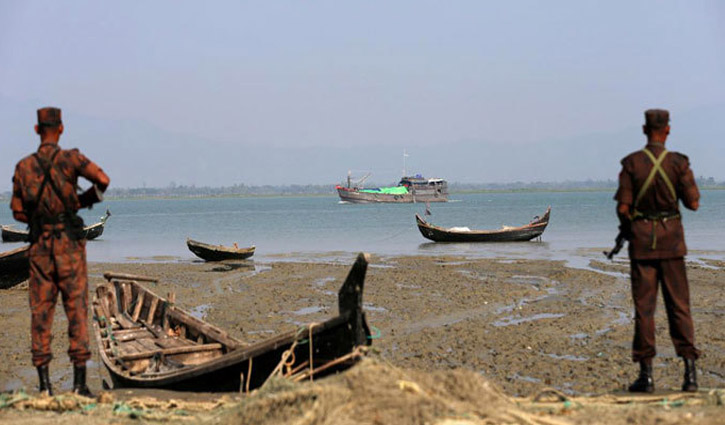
[[312, 363], [358, 351], [290, 352], [249, 375], [377, 333]]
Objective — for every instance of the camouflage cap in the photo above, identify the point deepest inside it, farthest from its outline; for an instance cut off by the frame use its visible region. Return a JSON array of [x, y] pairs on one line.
[[656, 119], [49, 116]]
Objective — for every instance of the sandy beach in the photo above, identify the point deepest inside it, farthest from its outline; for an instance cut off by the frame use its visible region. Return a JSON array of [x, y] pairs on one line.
[[520, 326]]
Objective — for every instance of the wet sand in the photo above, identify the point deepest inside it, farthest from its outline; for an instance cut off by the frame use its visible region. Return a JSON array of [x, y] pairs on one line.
[[523, 325]]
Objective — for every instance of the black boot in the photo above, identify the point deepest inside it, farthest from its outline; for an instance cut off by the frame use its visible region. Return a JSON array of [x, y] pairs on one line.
[[44, 379], [644, 383], [79, 381], [690, 382]]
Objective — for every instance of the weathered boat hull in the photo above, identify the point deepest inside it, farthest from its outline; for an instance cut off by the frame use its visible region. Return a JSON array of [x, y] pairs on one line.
[[14, 267], [356, 197], [515, 234], [187, 354], [94, 231], [209, 252], [10, 234]]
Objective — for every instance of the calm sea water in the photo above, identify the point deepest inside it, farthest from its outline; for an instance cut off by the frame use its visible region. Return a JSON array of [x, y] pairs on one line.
[[306, 227]]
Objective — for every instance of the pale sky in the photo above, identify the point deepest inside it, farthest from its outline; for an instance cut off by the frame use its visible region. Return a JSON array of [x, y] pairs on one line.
[[402, 74]]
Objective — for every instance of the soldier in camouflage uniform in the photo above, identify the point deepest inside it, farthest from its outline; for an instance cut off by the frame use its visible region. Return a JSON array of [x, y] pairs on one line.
[[44, 196], [651, 184]]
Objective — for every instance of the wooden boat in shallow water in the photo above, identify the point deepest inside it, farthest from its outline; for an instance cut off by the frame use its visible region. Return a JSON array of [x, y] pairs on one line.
[[11, 234], [218, 252], [506, 234], [146, 341], [14, 267]]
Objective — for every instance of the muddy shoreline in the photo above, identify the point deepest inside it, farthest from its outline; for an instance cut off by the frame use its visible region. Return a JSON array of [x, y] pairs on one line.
[[524, 325]]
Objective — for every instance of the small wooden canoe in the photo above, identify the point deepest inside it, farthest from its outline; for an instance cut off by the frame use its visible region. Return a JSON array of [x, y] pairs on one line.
[[218, 252], [145, 341], [11, 234], [506, 234], [95, 230], [14, 267]]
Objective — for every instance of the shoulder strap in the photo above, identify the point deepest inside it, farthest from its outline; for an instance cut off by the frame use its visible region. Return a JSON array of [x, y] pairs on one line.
[[656, 168], [47, 178]]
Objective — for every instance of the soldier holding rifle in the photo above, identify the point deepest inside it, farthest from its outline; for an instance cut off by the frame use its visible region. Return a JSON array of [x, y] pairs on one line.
[[45, 197], [651, 184]]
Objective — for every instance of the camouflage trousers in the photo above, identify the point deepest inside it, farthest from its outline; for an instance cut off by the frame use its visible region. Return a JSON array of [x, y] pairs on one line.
[[58, 264]]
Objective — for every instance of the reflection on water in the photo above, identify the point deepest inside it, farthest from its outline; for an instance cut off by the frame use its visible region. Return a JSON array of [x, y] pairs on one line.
[[513, 320], [318, 228], [200, 311], [223, 267]]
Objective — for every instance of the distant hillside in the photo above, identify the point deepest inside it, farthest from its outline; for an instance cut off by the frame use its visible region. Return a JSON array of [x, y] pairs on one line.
[[136, 154], [176, 191]]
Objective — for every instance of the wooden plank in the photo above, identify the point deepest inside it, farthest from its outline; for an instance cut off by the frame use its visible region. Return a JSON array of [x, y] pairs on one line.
[[130, 347], [134, 335], [203, 328], [152, 310], [139, 304], [125, 296], [172, 342], [171, 351], [122, 332], [165, 312], [126, 322], [148, 344], [126, 276], [154, 329]]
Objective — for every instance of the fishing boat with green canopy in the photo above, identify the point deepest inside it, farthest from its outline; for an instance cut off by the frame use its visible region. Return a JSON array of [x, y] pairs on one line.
[[409, 190]]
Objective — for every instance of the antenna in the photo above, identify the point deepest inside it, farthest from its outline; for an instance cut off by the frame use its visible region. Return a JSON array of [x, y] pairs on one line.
[[405, 169]]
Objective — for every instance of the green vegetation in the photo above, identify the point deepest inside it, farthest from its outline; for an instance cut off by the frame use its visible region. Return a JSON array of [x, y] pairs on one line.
[[242, 190]]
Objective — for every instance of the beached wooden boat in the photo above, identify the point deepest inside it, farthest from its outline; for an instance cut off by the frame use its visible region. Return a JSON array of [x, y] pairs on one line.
[[14, 267], [11, 234], [145, 341], [506, 234], [218, 252]]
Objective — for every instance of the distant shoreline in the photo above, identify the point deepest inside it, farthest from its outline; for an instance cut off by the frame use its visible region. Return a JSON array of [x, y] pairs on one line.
[[6, 198]]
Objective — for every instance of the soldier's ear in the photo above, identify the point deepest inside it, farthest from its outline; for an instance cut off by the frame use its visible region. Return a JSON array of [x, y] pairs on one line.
[[667, 130], [644, 129], [37, 129], [60, 129]]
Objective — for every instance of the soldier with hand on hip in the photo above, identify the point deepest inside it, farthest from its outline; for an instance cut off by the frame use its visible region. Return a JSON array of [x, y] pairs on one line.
[[45, 197]]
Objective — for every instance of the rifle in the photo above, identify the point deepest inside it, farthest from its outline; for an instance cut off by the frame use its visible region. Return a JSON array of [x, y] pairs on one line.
[[618, 244]]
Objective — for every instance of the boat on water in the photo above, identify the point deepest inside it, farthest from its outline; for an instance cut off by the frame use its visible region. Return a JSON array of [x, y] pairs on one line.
[[463, 234], [145, 341], [14, 267], [410, 189], [209, 252], [11, 234]]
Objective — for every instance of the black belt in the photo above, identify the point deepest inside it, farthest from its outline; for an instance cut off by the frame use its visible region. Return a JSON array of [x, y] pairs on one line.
[[56, 219], [656, 215]]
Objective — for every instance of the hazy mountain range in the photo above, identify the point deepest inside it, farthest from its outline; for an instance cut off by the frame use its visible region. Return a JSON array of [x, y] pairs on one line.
[[137, 154]]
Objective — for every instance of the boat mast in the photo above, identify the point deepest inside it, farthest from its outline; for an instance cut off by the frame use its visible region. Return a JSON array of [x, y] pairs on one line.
[[405, 169]]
